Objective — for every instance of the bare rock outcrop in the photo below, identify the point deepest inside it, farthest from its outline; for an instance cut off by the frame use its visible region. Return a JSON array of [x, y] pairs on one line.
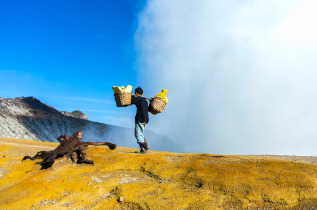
[[77, 114]]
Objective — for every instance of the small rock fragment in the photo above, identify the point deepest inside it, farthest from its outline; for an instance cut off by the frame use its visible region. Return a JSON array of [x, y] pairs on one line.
[[121, 199]]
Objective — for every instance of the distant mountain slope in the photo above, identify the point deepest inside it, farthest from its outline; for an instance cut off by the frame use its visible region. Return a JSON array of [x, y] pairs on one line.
[[29, 118]]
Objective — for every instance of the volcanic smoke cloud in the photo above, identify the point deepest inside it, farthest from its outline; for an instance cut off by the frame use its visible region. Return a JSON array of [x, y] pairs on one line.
[[241, 75]]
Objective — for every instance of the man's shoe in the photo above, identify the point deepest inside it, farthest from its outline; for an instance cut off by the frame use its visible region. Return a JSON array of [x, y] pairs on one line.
[[143, 150], [146, 145]]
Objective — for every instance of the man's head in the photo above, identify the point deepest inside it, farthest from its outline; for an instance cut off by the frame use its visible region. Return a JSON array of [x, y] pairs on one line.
[[138, 91]]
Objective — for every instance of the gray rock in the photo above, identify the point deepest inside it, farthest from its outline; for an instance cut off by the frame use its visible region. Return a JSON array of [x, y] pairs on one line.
[[76, 114], [121, 199]]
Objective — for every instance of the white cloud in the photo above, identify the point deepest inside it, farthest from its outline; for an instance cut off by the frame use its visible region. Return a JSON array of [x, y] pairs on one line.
[[241, 74]]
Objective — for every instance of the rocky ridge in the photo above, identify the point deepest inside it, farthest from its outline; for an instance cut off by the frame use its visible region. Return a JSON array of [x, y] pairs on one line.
[[76, 114]]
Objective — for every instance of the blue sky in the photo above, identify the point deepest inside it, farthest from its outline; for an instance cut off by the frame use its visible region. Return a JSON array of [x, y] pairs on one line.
[[238, 73], [69, 53]]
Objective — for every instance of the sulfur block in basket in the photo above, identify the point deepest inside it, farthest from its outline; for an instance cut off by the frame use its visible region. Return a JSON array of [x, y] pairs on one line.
[[156, 105], [162, 95], [122, 95]]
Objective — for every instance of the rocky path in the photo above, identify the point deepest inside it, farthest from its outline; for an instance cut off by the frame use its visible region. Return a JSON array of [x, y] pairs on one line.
[[307, 159]]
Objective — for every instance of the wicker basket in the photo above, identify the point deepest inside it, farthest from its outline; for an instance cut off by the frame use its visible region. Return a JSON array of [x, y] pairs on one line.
[[122, 99], [156, 105]]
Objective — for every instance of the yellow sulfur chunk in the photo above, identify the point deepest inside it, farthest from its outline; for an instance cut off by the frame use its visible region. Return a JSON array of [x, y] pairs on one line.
[[116, 89], [122, 89], [162, 95], [128, 89]]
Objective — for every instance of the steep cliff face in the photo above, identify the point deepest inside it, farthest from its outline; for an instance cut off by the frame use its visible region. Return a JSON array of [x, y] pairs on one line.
[[29, 118]]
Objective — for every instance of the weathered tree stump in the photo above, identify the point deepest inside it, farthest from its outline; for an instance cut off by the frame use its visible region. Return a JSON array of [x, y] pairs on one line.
[[68, 146]]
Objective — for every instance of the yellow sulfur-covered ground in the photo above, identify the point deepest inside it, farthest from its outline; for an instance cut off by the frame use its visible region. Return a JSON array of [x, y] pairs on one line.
[[157, 180]]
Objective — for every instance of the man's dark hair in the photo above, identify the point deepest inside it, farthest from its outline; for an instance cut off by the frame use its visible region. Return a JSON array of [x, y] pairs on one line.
[[139, 90]]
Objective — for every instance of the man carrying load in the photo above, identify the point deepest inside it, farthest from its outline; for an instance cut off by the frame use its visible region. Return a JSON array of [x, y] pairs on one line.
[[141, 119]]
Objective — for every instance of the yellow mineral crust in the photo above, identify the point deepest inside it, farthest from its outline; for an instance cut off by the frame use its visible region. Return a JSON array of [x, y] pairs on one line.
[[162, 95], [157, 180]]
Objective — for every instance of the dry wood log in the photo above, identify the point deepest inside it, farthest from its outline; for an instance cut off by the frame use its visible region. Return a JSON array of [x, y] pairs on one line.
[[68, 146]]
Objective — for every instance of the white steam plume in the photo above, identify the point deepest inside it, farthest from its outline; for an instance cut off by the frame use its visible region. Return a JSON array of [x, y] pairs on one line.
[[241, 75]]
